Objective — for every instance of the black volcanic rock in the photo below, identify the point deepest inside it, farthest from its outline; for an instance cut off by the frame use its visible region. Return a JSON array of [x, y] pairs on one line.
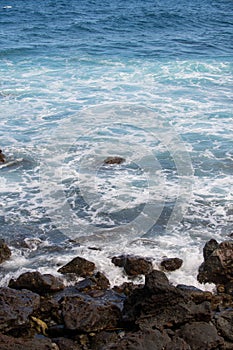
[[133, 265], [114, 160], [88, 315], [5, 252], [37, 283], [79, 266], [171, 264], [201, 335], [11, 343], [16, 307], [218, 266]]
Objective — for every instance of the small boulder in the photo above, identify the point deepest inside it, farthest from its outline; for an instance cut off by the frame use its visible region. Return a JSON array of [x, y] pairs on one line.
[[171, 264], [79, 266], [67, 344], [38, 283], [98, 281], [114, 160], [5, 252], [133, 265], [209, 248]]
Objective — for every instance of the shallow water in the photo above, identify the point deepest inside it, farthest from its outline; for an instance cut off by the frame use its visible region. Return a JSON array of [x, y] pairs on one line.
[[149, 81]]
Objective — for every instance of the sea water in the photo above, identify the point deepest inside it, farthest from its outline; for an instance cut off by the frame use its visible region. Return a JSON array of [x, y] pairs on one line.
[[149, 81]]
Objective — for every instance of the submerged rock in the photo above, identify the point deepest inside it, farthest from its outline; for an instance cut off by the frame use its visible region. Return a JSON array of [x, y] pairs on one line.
[[5, 252], [114, 160], [37, 283], [171, 264], [133, 265], [79, 266]]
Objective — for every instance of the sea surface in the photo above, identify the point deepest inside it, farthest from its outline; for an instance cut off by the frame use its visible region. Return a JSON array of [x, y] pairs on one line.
[[150, 81]]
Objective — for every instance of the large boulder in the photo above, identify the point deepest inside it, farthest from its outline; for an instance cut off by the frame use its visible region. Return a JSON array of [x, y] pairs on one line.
[[38, 283], [201, 336], [16, 308], [161, 305], [218, 265], [224, 324], [5, 252], [89, 315], [78, 266], [133, 265]]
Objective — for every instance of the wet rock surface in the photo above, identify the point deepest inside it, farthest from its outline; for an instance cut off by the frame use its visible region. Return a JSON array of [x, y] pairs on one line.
[[218, 263], [171, 264], [78, 266], [114, 160], [37, 283], [133, 265], [90, 315], [5, 252]]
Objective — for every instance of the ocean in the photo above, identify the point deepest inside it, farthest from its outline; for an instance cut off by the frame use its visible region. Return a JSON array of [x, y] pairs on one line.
[[149, 81]]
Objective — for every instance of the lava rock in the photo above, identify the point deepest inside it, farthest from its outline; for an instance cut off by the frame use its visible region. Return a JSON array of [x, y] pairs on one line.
[[218, 266], [16, 307], [5, 252], [67, 344], [133, 265], [79, 266], [38, 283], [127, 288], [96, 282], [161, 305], [209, 248], [89, 315], [11, 343], [201, 336], [114, 160], [146, 340], [171, 264], [224, 324]]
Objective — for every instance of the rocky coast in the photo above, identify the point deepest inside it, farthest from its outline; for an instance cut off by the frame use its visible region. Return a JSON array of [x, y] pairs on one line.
[[40, 311]]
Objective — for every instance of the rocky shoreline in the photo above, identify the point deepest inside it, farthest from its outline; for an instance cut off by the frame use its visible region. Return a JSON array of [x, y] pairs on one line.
[[39, 312]]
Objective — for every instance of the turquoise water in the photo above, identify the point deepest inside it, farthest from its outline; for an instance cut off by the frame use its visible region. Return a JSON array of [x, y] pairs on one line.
[[149, 81]]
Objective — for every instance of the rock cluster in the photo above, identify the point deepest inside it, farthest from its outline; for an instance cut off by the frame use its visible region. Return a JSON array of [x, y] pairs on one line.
[[39, 312]]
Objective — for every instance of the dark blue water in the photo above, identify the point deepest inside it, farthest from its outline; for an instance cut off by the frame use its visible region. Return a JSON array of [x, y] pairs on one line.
[[151, 29], [150, 81]]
